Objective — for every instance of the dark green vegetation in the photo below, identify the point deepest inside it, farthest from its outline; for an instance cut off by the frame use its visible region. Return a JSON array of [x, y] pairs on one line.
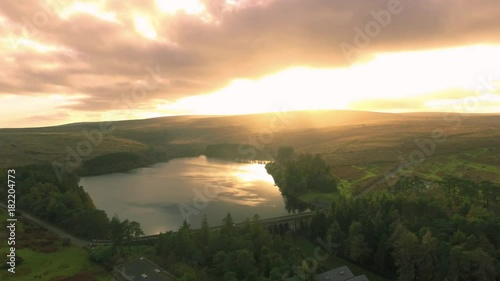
[[438, 219], [109, 163], [123, 234], [123, 161], [415, 230], [417, 233], [300, 174], [63, 203], [232, 253], [484, 194], [66, 205], [235, 152], [40, 252], [360, 146]]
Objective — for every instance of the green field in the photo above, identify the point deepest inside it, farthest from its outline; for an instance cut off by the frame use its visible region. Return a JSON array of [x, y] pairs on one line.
[[46, 255], [67, 262], [320, 199]]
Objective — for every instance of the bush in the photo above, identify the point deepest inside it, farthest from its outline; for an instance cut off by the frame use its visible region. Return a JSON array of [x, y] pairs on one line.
[[66, 242], [102, 255]]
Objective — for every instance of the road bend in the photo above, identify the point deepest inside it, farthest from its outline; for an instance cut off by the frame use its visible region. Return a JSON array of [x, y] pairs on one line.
[[59, 232]]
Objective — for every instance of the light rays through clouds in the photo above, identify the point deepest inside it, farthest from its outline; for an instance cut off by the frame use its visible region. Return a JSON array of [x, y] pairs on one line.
[[68, 61]]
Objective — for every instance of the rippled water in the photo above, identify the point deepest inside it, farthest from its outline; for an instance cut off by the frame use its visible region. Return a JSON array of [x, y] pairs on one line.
[[162, 195]]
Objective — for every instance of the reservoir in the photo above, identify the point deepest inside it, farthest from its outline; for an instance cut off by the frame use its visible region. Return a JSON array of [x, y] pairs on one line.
[[161, 196]]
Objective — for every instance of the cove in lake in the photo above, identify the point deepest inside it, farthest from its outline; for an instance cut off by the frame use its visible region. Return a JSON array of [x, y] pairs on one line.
[[158, 195]]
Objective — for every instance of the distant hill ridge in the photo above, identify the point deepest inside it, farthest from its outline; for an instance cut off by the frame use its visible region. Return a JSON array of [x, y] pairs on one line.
[[302, 118], [358, 144]]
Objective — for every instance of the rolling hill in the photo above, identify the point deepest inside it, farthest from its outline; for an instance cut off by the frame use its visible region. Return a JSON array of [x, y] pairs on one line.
[[362, 147]]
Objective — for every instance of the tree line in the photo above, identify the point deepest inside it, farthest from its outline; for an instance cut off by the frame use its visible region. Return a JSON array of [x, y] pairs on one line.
[[417, 233], [236, 152], [122, 233], [483, 193], [415, 230], [297, 174], [245, 253], [63, 203], [123, 161], [406, 236]]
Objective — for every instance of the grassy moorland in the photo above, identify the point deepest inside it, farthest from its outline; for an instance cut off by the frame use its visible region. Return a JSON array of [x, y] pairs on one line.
[[360, 146]]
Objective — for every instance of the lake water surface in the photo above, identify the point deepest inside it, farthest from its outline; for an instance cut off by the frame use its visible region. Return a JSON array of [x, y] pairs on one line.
[[161, 196]]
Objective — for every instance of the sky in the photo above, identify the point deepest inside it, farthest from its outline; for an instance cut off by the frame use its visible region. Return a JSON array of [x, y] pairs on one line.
[[73, 61]]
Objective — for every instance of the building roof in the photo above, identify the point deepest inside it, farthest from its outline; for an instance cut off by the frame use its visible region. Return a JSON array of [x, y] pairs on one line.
[[359, 278], [143, 269], [342, 273]]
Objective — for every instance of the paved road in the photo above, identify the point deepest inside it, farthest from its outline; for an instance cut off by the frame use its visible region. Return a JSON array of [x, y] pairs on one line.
[[59, 232]]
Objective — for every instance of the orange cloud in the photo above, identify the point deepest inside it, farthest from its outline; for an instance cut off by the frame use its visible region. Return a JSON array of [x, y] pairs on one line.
[[97, 50]]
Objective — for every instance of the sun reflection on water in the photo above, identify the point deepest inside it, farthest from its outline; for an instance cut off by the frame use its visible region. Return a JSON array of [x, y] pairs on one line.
[[252, 173]]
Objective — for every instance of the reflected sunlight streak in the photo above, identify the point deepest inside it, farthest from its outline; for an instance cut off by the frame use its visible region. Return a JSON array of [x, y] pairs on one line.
[[253, 172]]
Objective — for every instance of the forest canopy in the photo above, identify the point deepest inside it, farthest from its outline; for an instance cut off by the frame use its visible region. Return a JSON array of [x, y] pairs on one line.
[[297, 174]]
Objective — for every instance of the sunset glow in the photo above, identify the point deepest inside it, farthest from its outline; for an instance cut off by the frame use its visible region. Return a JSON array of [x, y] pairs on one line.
[[193, 7], [144, 27], [92, 9], [418, 75], [239, 57]]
